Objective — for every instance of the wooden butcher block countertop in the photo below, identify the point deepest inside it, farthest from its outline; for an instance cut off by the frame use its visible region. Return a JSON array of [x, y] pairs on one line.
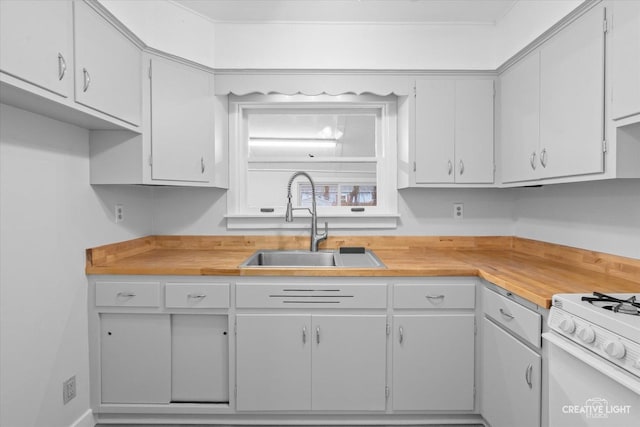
[[531, 269]]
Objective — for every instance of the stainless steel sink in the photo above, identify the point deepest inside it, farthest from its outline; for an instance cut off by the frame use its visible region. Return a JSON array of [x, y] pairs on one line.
[[292, 259]]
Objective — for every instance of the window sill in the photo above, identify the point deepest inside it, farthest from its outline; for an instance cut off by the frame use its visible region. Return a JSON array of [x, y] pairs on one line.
[[344, 222]]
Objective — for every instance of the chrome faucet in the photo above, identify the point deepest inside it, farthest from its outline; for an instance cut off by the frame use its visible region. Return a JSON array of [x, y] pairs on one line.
[[315, 237]]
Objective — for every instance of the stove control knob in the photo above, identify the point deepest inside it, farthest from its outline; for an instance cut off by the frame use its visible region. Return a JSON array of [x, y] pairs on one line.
[[568, 325], [615, 349], [587, 335]]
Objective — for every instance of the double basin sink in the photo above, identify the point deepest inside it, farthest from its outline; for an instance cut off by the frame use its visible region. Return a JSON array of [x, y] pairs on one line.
[[342, 258]]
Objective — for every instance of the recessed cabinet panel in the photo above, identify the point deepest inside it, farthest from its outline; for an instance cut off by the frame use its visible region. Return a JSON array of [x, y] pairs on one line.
[[273, 362], [36, 43], [107, 67], [572, 98], [435, 136], [474, 131], [511, 380], [433, 362], [199, 358], [182, 122], [625, 59], [520, 120], [349, 360], [135, 357]]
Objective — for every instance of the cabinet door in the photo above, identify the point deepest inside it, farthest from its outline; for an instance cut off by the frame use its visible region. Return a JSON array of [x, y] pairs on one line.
[[36, 43], [474, 131], [434, 127], [349, 362], [273, 362], [199, 358], [520, 119], [572, 98], [433, 362], [625, 59], [135, 352], [182, 114], [511, 380], [108, 67]]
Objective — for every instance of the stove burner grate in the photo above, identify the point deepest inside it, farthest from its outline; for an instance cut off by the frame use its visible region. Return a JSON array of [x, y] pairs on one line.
[[627, 306]]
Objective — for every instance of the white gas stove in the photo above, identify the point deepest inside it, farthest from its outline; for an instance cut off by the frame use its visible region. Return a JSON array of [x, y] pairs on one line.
[[593, 359], [608, 325]]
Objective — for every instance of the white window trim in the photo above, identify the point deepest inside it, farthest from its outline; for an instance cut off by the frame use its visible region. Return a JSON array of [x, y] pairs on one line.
[[385, 215]]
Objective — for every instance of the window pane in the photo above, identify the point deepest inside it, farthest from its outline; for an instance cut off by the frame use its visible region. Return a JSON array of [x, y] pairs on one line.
[[314, 134], [359, 195]]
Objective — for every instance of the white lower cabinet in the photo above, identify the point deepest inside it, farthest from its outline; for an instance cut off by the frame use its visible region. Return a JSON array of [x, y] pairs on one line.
[[310, 362], [135, 358], [511, 385], [199, 358], [433, 362]]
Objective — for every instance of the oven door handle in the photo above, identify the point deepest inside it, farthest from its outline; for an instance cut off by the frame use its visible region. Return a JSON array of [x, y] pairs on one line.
[[596, 362]]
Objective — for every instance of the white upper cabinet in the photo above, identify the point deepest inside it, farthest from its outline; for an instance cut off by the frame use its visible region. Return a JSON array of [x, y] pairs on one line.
[[572, 98], [520, 119], [454, 131], [552, 106], [36, 43], [107, 68], [182, 121], [625, 59]]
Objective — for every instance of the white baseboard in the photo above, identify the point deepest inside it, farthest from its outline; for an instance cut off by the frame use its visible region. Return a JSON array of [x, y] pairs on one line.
[[85, 420]]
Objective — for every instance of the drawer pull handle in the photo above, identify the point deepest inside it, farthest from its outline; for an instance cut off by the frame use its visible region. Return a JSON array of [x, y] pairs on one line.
[[126, 294], [86, 79], [196, 296], [435, 299], [507, 315], [527, 375], [401, 339]]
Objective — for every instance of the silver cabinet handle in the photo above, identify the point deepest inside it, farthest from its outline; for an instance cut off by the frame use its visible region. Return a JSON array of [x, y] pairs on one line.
[[461, 167], [318, 335], [401, 334], [450, 167], [543, 157], [507, 315], [196, 296], [202, 167], [304, 335], [532, 160], [87, 79], [62, 66], [126, 294], [528, 374], [432, 297]]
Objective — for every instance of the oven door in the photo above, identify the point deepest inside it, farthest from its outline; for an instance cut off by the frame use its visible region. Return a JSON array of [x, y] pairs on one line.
[[586, 390]]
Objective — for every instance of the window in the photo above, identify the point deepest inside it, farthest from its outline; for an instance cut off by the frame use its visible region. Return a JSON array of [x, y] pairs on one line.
[[345, 143]]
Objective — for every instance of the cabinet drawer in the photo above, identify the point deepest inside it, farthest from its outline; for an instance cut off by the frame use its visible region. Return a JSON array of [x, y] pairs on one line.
[[434, 296], [197, 295], [513, 316], [125, 294], [309, 295]]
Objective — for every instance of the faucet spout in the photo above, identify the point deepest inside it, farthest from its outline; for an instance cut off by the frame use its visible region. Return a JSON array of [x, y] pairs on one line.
[[315, 237]]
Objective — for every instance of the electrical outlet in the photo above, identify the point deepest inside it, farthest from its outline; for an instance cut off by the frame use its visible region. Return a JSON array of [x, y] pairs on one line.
[[458, 211], [69, 389], [119, 213]]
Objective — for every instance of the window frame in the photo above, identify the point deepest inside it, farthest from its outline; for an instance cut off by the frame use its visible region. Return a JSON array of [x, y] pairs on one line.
[[383, 215]]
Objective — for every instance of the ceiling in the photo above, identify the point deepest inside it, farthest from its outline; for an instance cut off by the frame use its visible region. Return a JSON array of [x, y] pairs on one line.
[[486, 12]]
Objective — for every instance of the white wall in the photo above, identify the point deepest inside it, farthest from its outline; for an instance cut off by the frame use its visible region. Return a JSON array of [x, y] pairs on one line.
[[168, 27], [601, 215], [422, 212], [525, 21], [48, 215]]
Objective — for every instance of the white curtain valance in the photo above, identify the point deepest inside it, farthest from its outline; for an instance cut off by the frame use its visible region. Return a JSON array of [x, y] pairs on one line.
[[311, 84]]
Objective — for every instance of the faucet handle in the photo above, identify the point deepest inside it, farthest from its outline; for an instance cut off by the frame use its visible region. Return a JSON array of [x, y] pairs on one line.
[[326, 229]]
